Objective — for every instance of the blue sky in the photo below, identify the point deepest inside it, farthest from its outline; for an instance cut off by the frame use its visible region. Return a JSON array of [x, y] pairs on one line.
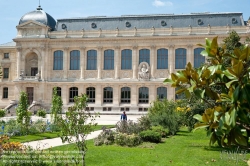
[[12, 10]]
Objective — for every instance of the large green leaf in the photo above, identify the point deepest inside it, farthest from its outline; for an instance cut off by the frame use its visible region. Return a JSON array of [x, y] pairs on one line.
[[198, 117], [230, 82], [236, 94]]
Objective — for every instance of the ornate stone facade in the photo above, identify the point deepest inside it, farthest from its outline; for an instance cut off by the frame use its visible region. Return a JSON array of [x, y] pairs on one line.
[[119, 68]]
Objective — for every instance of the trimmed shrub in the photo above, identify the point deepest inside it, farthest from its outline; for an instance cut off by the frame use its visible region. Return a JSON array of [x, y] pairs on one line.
[[124, 139], [144, 122], [105, 137], [37, 127], [150, 136], [164, 132], [12, 128], [128, 127], [2, 112], [41, 113]]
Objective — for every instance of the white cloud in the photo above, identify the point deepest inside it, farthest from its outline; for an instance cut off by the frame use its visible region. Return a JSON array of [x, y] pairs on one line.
[[159, 3]]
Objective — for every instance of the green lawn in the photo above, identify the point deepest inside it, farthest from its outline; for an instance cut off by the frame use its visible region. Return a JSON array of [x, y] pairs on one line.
[[183, 149], [47, 135]]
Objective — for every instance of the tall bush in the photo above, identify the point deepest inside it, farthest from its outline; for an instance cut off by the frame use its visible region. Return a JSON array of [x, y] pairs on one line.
[[164, 113], [23, 115]]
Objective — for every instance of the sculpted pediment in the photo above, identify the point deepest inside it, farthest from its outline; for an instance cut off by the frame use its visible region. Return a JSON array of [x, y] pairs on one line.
[[31, 24]]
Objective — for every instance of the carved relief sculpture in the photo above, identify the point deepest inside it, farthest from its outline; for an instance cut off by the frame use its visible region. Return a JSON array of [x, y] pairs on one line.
[[143, 73]]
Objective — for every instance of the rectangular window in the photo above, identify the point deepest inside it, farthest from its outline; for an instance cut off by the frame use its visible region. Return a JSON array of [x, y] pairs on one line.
[[180, 58], [5, 93], [162, 59], [109, 60], [126, 60], [6, 55], [91, 59], [144, 56], [5, 72]]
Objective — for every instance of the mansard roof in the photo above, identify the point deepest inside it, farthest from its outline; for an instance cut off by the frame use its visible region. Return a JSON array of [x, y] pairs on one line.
[[148, 21]]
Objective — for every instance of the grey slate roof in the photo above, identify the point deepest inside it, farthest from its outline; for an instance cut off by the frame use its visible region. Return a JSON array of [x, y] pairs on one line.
[[149, 21], [40, 16], [9, 44]]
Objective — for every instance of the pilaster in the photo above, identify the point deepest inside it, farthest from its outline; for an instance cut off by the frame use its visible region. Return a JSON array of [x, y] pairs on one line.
[[117, 61], [135, 61], [171, 58], [66, 61], [83, 62], [99, 62], [152, 59], [190, 57]]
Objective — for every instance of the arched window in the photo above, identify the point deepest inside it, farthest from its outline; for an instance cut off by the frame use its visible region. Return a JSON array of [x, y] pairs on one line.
[[58, 60], [109, 60], [5, 93], [75, 60], [125, 95], [180, 58], [73, 91], [126, 59], [91, 94], [91, 59], [58, 91], [107, 95], [198, 58], [162, 93], [143, 95], [144, 56], [162, 58]]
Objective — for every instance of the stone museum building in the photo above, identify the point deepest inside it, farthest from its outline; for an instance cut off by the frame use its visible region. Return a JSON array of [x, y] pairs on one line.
[[119, 62]]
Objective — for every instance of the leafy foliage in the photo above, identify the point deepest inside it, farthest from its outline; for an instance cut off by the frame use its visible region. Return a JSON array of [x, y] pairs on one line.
[[150, 136], [2, 112], [107, 137], [23, 115], [75, 127], [144, 122], [41, 113], [56, 107], [128, 127], [225, 88], [164, 113], [163, 132], [124, 139]]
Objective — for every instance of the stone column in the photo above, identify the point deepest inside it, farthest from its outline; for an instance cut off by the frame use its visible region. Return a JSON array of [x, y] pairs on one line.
[[19, 54], [115, 95], [99, 62], [98, 94], [66, 61], [117, 61], [152, 61], [190, 55], [49, 60], [152, 93], [134, 95], [171, 93], [42, 48], [135, 61], [65, 94], [83, 62], [171, 59]]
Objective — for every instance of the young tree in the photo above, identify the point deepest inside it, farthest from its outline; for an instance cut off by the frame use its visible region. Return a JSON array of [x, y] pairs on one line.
[[23, 115], [56, 107], [77, 124], [229, 105]]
